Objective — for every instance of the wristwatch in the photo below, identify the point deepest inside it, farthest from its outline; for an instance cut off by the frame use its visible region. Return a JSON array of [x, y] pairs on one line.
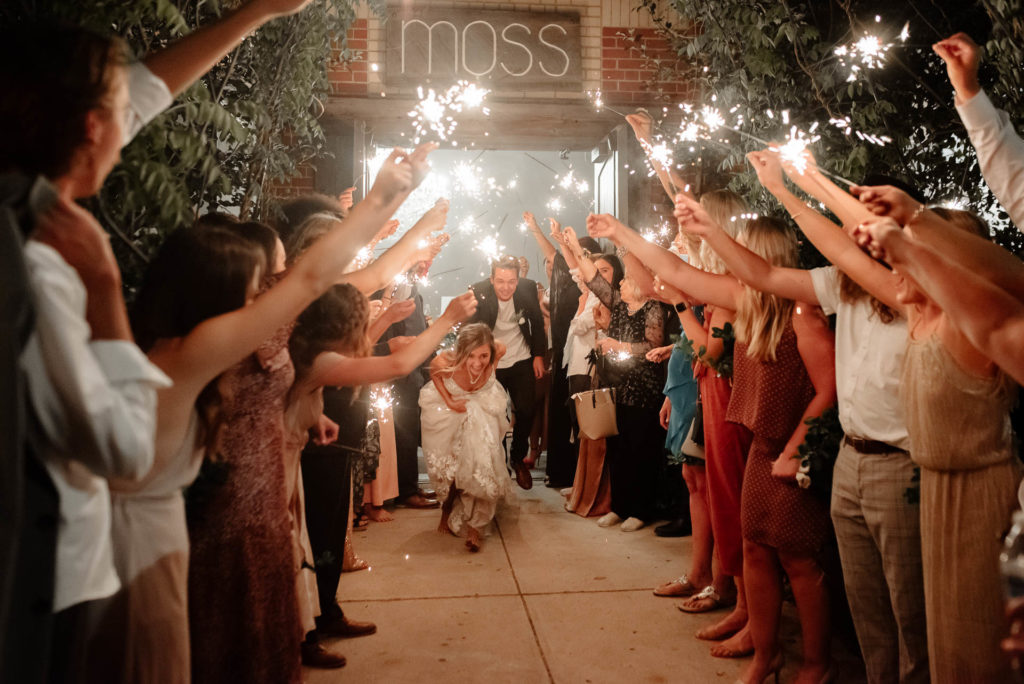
[[680, 307]]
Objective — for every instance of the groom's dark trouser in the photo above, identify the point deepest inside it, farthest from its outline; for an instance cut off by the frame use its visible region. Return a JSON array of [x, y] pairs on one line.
[[519, 380]]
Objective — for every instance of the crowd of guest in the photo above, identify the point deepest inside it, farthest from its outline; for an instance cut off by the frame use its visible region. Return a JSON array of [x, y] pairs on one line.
[[181, 482]]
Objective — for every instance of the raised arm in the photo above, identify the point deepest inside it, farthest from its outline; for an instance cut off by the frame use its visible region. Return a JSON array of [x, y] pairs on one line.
[[181, 63], [973, 252], [710, 288], [642, 125], [414, 246], [217, 343], [582, 262], [545, 245], [990, 318], [750, 268], [363, 371], [639, 273], [816, 345], [834, 244], [556, 234], [999, 148]]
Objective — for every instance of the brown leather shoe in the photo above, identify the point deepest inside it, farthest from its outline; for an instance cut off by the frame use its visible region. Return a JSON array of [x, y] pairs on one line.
[[523, 477], [315, 655], [345, 628], [427, 493], [417, 501]]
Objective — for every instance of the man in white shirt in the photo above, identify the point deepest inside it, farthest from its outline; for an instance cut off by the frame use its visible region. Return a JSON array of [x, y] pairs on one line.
[[92, 392], [509, 305], [999, 148]]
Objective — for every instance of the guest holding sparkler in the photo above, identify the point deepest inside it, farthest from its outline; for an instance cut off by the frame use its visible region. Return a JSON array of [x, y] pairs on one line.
[[637, 326], [957, 404], [783, 374]]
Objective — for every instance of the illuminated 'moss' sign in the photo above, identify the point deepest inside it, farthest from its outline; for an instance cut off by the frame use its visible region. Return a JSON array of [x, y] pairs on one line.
[[504, 49]]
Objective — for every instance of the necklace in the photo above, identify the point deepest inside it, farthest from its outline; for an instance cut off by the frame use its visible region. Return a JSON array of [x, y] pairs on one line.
[[472, 380]]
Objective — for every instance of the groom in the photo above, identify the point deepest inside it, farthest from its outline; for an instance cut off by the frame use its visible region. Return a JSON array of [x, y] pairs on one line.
[[509, 305]]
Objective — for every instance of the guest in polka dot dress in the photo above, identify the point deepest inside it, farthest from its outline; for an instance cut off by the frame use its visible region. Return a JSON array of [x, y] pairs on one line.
[[784, 373]]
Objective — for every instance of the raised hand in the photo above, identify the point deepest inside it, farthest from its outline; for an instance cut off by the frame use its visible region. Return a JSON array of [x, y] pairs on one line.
[[394, 178], [879, 237], [419, 163], [768, 167], [399, 311], [886, 200], [530, 221], [667, 293], [431, 249], [962, 56], [691, 217], [641, 123], [461, 308], [569, 235], [345, 198], [79, 238], [554, 226], [603, 226], [602, 317], [387, 231], [399, 342]]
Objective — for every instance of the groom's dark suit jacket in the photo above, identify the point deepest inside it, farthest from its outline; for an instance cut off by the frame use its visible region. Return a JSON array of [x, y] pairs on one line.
[[526, 304]]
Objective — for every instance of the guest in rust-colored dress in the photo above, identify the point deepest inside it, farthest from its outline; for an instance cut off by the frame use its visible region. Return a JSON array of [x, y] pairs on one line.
[[241, 572], [784, 527]]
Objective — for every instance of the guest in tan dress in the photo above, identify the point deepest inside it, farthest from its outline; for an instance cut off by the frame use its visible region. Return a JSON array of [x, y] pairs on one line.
[[956, 403], [960, 431]]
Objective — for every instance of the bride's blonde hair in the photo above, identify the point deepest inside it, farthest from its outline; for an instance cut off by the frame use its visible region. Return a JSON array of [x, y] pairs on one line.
[[761, 318], [470, 337]]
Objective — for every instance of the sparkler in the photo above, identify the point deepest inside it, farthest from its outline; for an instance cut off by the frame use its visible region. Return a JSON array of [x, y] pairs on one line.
[[436, 112], [597, 100], [490, 248]]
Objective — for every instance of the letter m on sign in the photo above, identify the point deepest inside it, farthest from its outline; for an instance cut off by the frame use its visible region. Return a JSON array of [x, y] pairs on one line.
[[447, 45]]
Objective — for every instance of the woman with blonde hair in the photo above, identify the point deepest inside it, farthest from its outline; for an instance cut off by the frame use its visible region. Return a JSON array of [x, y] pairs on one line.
[[784, 374], [464, 417]]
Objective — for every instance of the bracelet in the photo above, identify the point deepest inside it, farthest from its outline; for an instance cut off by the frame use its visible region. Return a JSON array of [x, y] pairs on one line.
[[917, 213], [680, 307], [799, 213]]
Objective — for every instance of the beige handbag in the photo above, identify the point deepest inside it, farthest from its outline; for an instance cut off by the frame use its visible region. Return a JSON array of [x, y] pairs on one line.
[[595, 409]]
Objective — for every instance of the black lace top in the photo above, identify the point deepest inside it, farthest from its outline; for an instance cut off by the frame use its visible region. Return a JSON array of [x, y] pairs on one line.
[[639, 382]]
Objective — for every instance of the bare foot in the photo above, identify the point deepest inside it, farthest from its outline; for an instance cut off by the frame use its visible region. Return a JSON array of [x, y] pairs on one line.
[[377, 513], [739, 645], [724, 628], [472, 540]]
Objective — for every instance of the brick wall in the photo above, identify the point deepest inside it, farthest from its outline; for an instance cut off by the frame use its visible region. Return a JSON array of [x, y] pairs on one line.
[[638, 66], [351, 78]]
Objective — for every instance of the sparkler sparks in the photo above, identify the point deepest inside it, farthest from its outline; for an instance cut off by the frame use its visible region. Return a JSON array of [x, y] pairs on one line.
[[490, 248], [793, 149], [436, 112]]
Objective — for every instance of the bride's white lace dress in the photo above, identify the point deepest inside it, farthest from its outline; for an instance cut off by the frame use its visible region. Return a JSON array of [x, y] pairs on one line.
[[464, 450]]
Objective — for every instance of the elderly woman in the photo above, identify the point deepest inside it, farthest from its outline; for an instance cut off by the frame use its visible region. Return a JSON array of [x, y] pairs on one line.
[[637, 325]]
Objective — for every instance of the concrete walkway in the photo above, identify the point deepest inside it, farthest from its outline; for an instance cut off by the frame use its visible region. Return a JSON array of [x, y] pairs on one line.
[[551, 597]]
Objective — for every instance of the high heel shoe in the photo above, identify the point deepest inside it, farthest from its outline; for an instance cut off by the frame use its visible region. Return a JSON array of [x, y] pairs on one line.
[[774, 670]]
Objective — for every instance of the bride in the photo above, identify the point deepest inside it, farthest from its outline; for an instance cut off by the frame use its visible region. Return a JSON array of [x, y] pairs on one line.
[[464, 416]]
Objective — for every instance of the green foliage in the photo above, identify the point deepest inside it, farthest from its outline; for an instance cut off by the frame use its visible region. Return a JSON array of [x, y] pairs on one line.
[[723, 364], [251, 120], [819, 450], [774, 56]]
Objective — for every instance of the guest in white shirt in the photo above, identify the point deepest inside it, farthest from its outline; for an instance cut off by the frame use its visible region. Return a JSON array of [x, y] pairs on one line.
[[999, 148], [877, 526], [92, 393]]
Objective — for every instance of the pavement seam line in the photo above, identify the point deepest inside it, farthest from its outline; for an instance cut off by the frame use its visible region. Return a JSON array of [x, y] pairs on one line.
[[522, 599]]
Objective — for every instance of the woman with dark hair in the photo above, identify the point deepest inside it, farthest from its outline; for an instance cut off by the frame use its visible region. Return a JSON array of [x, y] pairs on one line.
[[197, 315], [590, 495], [465, 416], [637, 325]]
